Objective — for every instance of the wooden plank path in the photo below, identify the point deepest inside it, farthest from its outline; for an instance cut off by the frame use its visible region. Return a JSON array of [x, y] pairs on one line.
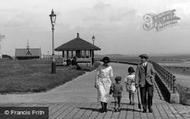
[[161, 110], [90, 111]]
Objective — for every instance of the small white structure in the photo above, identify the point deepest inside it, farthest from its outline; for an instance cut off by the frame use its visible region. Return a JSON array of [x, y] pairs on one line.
[[1, 38]]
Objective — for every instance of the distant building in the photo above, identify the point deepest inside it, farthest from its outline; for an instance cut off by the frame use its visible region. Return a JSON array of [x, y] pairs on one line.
[[31, 53], [6, 57], [27, 53]]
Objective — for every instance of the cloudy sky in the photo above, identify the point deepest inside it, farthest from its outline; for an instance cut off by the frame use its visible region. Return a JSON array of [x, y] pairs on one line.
[[116, 24]]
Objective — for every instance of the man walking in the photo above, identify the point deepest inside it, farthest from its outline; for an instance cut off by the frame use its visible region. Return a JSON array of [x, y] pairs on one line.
[[144, 78]]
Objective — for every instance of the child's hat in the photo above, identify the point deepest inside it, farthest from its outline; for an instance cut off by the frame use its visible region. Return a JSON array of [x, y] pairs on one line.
[[118, 78]]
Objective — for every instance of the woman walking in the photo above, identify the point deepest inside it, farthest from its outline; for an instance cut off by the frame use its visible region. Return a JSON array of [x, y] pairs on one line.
[[103, 83]]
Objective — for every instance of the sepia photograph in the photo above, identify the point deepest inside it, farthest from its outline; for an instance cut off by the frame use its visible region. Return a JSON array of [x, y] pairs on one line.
[[95, 59]]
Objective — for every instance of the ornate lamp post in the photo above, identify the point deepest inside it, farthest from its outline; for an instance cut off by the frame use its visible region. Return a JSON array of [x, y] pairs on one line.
[[53, 19], [93, 39]]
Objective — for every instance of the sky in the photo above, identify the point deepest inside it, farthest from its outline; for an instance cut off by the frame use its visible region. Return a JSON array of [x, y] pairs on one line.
[[116, 24]]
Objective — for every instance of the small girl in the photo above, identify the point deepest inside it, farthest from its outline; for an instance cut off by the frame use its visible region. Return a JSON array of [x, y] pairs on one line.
[[117, 89], [130, 84]]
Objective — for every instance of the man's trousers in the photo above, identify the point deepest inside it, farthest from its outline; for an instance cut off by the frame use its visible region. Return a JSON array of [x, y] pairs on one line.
[[146, 96]]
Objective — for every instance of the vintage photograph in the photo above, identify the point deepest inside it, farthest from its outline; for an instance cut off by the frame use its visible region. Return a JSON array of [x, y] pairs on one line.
[[94, 59]]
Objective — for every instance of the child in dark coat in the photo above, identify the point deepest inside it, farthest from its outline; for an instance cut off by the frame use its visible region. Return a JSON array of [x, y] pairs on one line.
[[117, 89]]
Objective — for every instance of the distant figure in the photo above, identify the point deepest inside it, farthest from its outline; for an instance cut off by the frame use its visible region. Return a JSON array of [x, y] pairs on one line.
[[117, 89], [103, 83], [144, 78], [130, 84], [74, 62], [68, 62]]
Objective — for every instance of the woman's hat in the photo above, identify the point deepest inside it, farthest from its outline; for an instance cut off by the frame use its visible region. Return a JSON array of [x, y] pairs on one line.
[[106, 59]]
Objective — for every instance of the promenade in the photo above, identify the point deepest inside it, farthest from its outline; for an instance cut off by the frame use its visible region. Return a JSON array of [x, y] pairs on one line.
[[77, 100]]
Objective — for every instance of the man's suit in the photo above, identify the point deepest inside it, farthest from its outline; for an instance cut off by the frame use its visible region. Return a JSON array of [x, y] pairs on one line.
[[144, 78]]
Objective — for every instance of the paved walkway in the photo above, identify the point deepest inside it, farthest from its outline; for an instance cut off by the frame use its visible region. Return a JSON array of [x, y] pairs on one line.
[[79, 90], [77, 100]]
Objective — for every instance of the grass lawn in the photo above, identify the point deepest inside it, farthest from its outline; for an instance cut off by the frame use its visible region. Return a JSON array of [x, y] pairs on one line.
[[33, 76]]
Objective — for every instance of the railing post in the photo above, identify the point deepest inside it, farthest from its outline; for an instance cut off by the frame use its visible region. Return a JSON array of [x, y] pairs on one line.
[[174, 85], [171, 81]]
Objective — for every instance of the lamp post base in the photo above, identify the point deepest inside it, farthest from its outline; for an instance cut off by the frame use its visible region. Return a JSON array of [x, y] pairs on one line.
[[53, 67]]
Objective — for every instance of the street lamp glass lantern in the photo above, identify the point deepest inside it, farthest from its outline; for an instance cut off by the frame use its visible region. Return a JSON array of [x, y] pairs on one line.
[[93, 37], [52, 17]]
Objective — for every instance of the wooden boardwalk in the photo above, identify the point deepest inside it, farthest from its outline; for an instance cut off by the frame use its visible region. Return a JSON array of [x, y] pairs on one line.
[[161, 110], [77, 100]]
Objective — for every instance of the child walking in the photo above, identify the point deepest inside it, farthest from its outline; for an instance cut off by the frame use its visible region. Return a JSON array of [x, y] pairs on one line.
[[130, 84], [117, 89]]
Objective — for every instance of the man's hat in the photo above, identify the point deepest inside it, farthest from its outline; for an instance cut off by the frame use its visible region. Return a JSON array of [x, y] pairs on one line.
[[144, 56]]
